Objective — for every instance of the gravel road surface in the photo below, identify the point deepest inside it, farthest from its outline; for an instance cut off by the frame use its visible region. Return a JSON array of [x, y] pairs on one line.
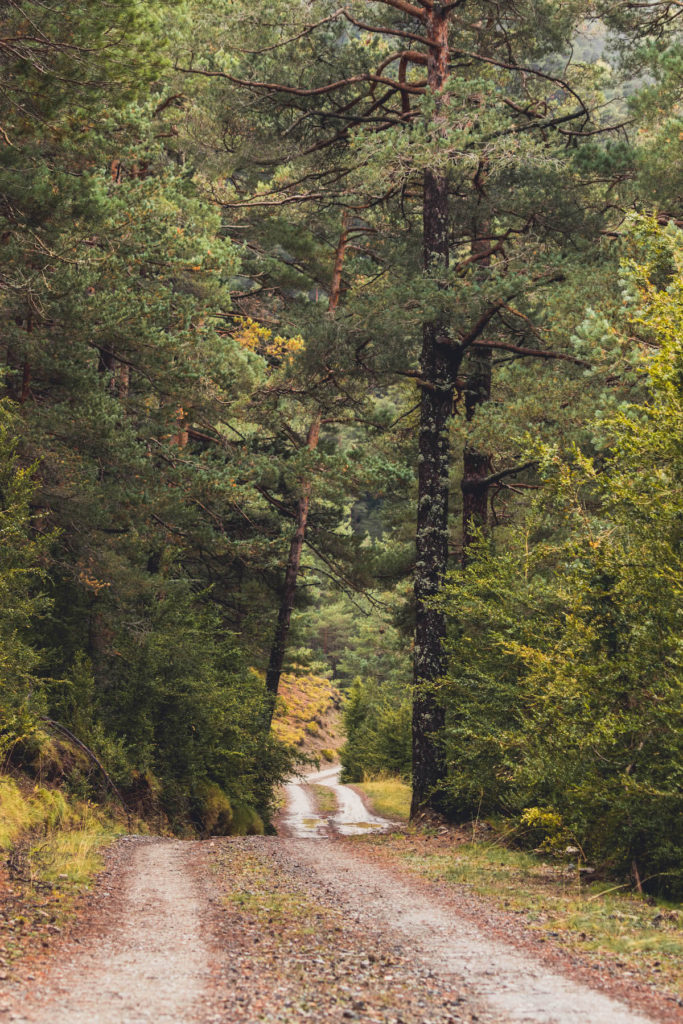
[[282, 930], [146, 957]]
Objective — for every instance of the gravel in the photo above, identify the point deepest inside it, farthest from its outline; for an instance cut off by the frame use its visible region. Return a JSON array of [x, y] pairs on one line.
[[286, 931]]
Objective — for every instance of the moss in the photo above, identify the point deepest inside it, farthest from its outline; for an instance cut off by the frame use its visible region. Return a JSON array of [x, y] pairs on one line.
[[246, 822], [48, 758]]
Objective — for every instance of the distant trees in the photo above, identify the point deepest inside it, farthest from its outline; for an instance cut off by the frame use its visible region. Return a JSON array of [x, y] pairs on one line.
[[22, 575], [467, 150]]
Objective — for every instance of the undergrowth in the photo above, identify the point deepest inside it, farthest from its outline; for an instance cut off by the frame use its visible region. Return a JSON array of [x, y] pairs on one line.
[[51, 849], [46, 837], [306, 713]]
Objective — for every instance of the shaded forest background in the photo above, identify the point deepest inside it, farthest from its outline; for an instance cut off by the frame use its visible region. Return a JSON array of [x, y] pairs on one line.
[[280, 281]]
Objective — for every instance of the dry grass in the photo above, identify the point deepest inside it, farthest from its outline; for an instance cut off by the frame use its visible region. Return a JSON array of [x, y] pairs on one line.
[[388, 797], [52, 837], [307, 713], [50, 851], [596, 919]]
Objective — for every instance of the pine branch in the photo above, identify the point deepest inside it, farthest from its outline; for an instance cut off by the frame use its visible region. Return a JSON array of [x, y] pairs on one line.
[[482, 483], [536, 353]]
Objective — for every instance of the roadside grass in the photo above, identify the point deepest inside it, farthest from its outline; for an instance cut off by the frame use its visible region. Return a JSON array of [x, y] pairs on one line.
[[388, 796], [597, 919], [325, 799], [74, 857], [49, 837], [21, 811], [51, 846]]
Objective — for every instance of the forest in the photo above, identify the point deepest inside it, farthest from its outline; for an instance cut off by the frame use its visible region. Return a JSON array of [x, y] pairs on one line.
[[347, 341]]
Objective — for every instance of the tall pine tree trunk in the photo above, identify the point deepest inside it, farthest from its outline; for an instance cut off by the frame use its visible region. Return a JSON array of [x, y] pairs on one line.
[[438, 369], [279, 644]]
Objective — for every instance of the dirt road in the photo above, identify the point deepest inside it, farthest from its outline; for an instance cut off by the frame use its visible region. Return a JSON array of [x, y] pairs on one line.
[[351, 817], [144, 957], [283, 931]]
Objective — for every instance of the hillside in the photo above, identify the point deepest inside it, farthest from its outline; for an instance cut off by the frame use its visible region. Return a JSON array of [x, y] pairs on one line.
[[308, 714]]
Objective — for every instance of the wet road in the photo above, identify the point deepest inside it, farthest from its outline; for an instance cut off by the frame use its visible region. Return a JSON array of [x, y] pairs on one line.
[[351, 818]]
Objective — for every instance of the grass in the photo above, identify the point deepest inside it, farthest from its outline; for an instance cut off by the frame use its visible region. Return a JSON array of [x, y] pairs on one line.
[[325, 799], [50, 851], [388, 797], [74, 856], [595, 919], [52, 837], [21, 811]]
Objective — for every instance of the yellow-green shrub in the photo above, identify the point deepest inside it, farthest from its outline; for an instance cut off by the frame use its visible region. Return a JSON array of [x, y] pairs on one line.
[[215, 809], [246, 822]]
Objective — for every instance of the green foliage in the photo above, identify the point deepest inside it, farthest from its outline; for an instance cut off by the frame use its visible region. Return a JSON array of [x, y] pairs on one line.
[[169, 241], [564, 686], [214, 810], [246, 821], [114, 289], [377, 718], [22, 604]]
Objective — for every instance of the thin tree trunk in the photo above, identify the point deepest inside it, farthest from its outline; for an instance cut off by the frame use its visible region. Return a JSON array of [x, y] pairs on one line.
[[26, 371], [439, 365], [279, 644], [336, 282], [476, 464]]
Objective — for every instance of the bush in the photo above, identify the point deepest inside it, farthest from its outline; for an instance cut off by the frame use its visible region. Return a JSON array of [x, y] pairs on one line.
[[377, 720], [565, 682], [214, 810], [246, 821]]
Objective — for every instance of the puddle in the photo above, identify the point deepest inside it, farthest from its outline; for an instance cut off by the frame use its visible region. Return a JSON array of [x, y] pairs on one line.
[[352, 817]]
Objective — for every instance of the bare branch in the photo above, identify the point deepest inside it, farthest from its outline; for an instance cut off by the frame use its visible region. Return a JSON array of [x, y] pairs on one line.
[[536, 353], [481, 483]]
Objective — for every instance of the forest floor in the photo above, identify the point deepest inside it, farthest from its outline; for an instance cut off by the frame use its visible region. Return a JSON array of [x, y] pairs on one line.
[[279, 930]]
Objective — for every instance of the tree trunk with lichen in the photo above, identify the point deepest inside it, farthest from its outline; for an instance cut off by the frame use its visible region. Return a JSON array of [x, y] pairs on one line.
[[439, 364]]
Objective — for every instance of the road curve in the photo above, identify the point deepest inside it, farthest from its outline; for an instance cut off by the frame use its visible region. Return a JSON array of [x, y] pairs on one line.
[[352, 818]]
